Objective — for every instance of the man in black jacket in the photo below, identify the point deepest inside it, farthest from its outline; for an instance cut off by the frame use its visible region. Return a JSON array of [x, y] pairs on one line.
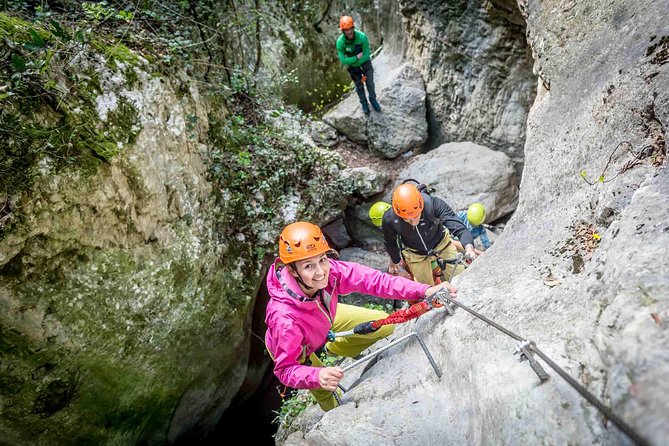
[[419, 230]]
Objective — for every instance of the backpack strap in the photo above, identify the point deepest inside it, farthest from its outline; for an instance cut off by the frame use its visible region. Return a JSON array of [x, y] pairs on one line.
[[429, 208], [422, 187]]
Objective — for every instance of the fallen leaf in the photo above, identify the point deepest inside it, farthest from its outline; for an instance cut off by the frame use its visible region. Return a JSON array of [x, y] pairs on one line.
[[585, 378], [656, 318], [551, 281]]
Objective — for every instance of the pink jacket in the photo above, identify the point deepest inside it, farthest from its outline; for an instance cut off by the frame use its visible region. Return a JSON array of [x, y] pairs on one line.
[[298, 326]]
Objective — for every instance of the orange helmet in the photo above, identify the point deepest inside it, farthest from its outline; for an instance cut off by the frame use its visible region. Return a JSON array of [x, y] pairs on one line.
[[407, 201], [301, 240], [346, 22]]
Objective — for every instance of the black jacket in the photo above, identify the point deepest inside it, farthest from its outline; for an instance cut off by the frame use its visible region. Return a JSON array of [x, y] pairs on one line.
[[429, 231]]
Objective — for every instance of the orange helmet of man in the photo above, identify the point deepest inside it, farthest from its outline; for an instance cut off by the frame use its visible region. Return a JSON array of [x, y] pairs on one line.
[[301, 240], [346, 22], [407, 201]]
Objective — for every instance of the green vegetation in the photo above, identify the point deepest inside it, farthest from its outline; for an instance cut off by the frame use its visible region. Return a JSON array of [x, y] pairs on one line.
[[388, 308], [49, 120], [124, 329], [292, 407], [261, 171]]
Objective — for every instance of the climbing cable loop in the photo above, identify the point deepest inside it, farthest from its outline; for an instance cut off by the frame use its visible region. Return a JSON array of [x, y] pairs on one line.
[[526, 348]]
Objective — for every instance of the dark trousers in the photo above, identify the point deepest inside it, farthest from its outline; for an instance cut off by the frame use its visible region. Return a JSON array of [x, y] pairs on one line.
[[356, 74]]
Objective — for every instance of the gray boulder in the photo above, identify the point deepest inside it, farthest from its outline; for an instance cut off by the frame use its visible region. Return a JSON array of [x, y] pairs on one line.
[[323, 134], [361, 228], [464, 172], [365, 181], [372, 259], [400, 126]]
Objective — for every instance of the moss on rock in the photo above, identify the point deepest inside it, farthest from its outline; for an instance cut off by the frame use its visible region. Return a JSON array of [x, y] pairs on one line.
[[119, 299], [122, 353], [49, 122]]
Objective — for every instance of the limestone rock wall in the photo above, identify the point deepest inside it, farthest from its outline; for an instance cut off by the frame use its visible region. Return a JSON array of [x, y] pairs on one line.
[[126, 291], [580, 268], [476, 64]]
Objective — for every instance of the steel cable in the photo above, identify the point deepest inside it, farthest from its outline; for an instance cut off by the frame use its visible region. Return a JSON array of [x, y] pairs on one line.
[[605, 410]]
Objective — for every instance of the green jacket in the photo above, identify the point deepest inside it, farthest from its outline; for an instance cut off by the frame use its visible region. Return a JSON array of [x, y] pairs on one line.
[[347, 49]]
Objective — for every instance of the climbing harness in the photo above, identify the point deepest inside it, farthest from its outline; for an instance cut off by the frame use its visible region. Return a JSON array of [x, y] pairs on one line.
[[527, 349], [441, 263], [438, 266]]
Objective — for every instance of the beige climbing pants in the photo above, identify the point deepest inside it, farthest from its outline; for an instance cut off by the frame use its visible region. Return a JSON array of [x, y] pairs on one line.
[[347, 317], [421, 265]]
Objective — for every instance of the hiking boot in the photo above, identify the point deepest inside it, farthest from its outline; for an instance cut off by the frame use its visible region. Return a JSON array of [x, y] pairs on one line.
[[375, 105], [365, 108]]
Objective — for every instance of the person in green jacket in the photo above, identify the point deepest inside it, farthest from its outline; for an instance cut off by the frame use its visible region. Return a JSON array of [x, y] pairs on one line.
[[353, 50]]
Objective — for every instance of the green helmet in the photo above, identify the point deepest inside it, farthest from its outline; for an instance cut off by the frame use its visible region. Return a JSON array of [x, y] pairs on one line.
[[476, 214], [376, 212]]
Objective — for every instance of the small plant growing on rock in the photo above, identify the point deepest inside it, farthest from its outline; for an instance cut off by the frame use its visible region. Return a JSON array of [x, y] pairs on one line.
[[292, 407]]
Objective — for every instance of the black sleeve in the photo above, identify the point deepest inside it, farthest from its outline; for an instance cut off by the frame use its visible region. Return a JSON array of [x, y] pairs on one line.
[[451, 221], [390, 239]]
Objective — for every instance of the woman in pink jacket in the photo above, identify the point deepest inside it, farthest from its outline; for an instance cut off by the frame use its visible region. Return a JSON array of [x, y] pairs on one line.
[[304, 285]]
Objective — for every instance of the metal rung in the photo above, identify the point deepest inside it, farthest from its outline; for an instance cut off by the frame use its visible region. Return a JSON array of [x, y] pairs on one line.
[[394, 343], [404, 338]]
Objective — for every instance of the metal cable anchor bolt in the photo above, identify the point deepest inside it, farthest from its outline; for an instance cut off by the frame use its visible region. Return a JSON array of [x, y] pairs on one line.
[[524, 350]]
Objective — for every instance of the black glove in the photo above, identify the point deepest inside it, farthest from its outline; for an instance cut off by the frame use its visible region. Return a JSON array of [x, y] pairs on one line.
[[364, 328]]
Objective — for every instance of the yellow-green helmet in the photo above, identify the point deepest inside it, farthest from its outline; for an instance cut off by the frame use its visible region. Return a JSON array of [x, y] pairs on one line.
[[376, 212], [476, 214]]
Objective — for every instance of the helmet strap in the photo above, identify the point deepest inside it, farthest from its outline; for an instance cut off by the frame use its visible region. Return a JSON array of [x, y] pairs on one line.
[[290, 292], [299, 278]]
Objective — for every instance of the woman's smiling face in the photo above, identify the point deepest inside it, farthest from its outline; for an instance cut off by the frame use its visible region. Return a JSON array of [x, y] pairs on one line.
[[314, 271]]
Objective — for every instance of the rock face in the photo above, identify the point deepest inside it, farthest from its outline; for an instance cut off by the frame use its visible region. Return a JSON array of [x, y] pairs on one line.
[[365, 181], [126, 292], [476, 63], [98, 293], [463, 173], [599, 309], [401, 124]]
